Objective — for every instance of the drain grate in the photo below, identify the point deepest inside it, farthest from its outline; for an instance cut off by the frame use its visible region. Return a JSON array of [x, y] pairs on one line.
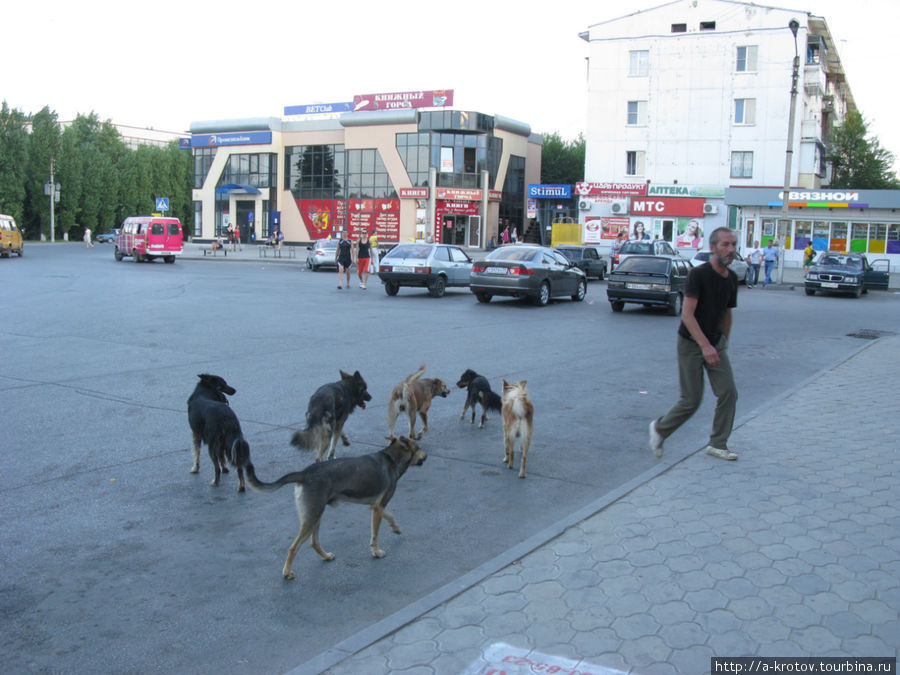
[[870, 333]]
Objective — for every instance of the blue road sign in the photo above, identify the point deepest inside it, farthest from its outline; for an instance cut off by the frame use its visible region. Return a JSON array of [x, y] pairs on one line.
[[162, 203]]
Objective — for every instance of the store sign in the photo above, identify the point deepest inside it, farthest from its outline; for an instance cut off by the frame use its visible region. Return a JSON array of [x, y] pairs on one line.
[[550, 191], [588, 189], [240, 138], [437, 98], [318, 108], [495, 195], [821, 199], [458, 193], [706, 191], [667, 206], [414, 193]]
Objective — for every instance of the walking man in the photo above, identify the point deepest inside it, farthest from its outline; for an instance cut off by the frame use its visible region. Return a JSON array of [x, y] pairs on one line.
[[755, 258], [771, 257], [710, 294]]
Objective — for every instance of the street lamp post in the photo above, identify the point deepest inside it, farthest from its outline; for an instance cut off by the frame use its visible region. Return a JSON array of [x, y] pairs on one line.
[[792, 114]]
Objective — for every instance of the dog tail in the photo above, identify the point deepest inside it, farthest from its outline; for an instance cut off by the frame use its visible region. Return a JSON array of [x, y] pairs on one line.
[[239, 455], [404, 397], [260, 486], [305, 440], [491, 400]]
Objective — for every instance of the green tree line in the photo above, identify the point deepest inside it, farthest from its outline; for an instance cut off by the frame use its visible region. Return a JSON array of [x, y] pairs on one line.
[[102, 181]]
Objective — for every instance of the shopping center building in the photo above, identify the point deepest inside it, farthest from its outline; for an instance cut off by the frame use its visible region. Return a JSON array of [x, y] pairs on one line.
[[401, 173]]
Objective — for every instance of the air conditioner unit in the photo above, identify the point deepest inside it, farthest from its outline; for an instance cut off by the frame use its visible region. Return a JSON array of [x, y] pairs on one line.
[[585, 205], [710, 208], [619, 206]]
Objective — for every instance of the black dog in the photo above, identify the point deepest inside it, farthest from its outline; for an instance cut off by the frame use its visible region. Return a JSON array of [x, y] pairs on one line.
[[479, 391], [213, 422], [370, 479], [327, 413]]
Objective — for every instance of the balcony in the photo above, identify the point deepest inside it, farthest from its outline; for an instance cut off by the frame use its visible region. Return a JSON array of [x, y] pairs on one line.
[[814, 80], [811, 130]]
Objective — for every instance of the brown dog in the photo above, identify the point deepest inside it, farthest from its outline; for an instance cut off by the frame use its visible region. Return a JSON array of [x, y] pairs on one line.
[[412, 396], [518, 422]]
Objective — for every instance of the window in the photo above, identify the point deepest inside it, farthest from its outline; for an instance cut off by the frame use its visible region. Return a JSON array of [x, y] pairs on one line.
[[637, 113], [746, 59], [639, 63], [742, 165], [679, 28], [707, 25], [745, 111], [634, 163]]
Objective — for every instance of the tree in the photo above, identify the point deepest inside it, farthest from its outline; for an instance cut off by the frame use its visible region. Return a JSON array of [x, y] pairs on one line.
[[858, 161], [43, 146], [13, 159], [562, 162]]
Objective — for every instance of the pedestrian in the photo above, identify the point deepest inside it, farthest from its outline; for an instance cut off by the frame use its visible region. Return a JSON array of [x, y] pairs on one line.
[[373, 247], [279, 238], [504, 237], [809, 254], [230, 234], [87, 238], [614, 250], [343, 256], [710, 294], [236, 242], [514, 236], [770, 257], [755, 259], [362, 252]]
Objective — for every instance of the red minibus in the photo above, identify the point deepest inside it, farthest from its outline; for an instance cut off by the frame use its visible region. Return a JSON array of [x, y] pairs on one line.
[[148, 237]]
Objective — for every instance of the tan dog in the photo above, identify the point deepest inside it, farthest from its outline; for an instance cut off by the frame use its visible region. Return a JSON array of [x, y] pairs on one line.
[[518, 422], [412, 396]]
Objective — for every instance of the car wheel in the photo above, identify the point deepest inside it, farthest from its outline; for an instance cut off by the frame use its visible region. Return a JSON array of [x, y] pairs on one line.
[[617, 305], [483, 297], [437, 287], [675, 307], [543, 296], [857, 292], [810, 291], [391, 287], [118, 254], [580, 291], [136, 256]]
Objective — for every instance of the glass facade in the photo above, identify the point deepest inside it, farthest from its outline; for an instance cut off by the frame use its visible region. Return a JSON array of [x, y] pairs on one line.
[[332, 172], [466, 154], [512, 208], [203, 158]]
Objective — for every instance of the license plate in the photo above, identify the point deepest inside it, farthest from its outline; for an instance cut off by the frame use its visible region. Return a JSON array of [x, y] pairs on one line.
[[639, 287], [829, 284], [495, 270], [402, 268]]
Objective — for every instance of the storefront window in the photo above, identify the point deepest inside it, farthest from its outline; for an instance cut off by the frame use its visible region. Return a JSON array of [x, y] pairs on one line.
[[838, 237], [877, 236], [802, 233], [893, 240], [860, 237], [203, 159]]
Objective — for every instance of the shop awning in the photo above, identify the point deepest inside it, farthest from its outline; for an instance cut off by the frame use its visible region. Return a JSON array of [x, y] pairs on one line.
[[235, 188]]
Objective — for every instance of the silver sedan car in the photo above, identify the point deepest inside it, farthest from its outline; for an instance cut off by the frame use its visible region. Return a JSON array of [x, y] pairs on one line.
[[527, 271]]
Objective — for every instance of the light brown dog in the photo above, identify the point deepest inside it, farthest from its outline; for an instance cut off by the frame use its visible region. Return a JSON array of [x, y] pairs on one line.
[[414, 395], [518, 422]]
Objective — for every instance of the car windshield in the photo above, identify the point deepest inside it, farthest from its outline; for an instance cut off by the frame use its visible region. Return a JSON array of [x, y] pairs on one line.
[[570, 253], [409, 251], [328, 243], [703, 255], [841, 261], [644, 266], [637, 247], [514, 253]]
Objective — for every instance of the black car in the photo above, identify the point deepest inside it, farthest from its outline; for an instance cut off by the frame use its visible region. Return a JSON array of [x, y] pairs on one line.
[[586, 258], [844, 273], [649, 280]]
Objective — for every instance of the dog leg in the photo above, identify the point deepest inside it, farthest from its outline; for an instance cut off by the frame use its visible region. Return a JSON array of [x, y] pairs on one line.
[[483, 415], [214, 456], [392, 420], [526, 443], [326, 556], [377, 512], [195, 439], [424, 415], [241, 486], [465, 408], [510, 449], [344, 440], [411, 412], [390, 519]]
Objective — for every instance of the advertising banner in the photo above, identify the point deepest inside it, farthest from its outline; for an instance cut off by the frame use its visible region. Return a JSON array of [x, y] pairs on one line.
[[239, 138], [604, 228], [436, 98], [458, 193], [590, 189], [318, 108], [667, 206]]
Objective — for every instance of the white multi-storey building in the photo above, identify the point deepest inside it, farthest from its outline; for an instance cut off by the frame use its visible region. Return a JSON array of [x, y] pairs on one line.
[[698, 92]]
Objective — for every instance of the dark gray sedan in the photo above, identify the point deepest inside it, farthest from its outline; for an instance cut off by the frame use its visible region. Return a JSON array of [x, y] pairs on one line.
[[527, 271], [849, 273]]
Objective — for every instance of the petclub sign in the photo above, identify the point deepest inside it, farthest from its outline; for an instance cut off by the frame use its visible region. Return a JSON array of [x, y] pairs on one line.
[[240, 138], [550, 191], [318, 108], [435, 98], [667, 206]]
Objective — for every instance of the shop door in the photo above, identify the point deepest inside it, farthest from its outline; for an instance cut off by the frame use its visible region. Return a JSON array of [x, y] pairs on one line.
[[245, 219], [454, 230], [474, 234]]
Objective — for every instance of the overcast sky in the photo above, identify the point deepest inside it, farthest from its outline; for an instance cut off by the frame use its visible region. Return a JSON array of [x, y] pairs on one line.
[[169, 63]]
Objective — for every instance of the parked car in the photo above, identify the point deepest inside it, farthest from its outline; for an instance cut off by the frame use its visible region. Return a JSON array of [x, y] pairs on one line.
[[635, 247], [739, 265], [585, 257], [649, 280], [321, 254], [846, 273], [10, 238], [527, 271], [431, 266], [147, 237], [107, 237]]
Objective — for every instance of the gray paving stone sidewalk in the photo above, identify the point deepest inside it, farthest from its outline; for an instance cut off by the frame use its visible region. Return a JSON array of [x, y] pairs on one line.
[[793, 550]]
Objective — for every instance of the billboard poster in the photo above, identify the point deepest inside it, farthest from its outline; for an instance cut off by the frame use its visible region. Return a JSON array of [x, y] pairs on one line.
[[319, 216], [435, 98], [377, 216], [604, 228], [690, 233], [593, 189]]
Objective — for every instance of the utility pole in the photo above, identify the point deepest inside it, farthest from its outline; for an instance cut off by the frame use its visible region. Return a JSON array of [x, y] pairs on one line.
[[785, 196], [52, 204]]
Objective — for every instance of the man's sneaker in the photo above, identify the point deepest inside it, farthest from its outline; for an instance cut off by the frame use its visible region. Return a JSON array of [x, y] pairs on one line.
[[656, 441], [721, 453]]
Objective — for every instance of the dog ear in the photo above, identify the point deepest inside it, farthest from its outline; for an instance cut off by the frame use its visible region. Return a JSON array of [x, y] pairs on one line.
[[522, 383], [506, 385], [344, 375]]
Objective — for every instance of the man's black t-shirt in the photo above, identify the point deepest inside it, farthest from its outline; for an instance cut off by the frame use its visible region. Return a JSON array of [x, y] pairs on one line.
[[715, 294]]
